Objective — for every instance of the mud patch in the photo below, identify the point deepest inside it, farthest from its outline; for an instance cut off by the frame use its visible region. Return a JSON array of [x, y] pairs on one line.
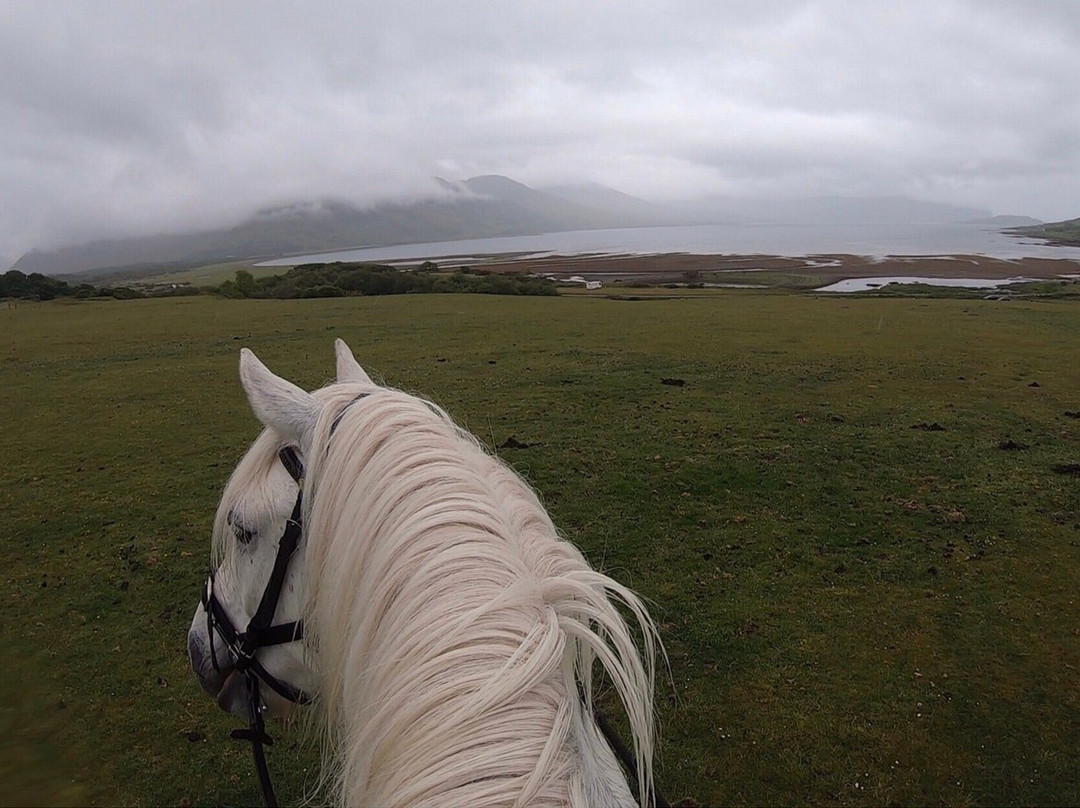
[[1011, 445], [925, 427], [513, 443]]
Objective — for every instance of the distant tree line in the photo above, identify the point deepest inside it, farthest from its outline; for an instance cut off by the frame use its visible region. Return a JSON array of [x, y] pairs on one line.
[[304, 281], [344, 279], [35, 286]]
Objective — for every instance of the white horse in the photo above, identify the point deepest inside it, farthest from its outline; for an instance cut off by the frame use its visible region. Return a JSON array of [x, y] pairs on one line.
[[450, 633]]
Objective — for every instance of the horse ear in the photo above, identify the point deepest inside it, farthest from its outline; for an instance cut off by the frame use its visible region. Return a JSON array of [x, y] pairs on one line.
[[348, 369], [279, 404]]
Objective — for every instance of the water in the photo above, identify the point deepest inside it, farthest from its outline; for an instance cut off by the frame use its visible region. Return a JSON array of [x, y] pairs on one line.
[[876, 240], [865, 284]]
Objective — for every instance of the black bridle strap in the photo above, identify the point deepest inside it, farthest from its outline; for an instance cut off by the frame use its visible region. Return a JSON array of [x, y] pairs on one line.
[[264, 614], [292, 463], [622, 752], [625, 756], [340, 415], [256, 735], [238, 643]]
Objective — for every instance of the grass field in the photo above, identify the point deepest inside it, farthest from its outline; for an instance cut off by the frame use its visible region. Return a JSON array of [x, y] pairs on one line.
[[212, 274], [858, 521]]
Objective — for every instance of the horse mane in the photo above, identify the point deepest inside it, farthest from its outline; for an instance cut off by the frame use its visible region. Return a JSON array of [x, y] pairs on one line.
[[454, 630]]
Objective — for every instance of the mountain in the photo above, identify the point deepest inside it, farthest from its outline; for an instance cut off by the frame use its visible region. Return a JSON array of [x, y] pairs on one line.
[[523, 210], [1065, 233], [629, 209], [480, 207], [1006, 221]]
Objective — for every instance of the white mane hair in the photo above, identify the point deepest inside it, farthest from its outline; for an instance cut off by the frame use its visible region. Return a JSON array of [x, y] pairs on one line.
[[453, 631]]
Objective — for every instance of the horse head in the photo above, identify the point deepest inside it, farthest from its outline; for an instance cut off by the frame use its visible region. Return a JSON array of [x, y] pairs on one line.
[[248, 622]]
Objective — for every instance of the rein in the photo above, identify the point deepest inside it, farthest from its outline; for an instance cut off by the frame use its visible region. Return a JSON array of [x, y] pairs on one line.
[[261, 633], [623, 753]]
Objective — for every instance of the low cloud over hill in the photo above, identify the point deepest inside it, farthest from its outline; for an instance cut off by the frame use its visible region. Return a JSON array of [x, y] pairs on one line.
[[480, 207]]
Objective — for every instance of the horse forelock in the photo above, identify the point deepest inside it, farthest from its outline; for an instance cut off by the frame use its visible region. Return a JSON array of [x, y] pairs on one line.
[[249, 489]]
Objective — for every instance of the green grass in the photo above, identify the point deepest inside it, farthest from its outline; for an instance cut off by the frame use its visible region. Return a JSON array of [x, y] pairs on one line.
[[212, 274], [857, 612]]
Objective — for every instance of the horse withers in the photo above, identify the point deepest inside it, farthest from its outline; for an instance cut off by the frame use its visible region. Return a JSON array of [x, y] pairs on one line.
[[371, 556]]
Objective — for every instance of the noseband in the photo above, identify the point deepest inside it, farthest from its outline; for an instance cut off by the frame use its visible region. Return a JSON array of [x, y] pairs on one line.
[[261, 632]]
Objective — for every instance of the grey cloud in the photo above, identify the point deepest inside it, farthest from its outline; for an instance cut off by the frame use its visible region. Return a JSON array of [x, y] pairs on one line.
[[127, 117]]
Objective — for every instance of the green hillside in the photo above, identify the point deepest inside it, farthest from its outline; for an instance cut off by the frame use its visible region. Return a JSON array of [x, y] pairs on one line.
[[1067, 232]]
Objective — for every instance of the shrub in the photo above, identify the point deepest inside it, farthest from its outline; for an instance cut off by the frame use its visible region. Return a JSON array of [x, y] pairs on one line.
[[339, 279]]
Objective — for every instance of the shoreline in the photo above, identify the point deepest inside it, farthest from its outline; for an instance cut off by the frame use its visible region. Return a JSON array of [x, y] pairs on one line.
[[730, 269], [816, 269]]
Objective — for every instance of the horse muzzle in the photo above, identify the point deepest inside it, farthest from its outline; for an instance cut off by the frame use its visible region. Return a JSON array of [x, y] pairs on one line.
[[226, 685], [223, 683]]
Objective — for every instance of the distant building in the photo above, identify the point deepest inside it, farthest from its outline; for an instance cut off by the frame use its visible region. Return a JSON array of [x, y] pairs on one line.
[[577, 280]]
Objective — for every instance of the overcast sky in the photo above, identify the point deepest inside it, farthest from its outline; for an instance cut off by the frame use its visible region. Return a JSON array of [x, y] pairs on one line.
[[135, 117]]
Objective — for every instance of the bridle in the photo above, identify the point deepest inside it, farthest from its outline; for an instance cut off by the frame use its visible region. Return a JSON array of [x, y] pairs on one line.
[[261, 632]]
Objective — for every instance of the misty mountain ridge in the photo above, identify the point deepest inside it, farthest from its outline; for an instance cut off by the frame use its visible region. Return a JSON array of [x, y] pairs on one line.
[[480, 207], [1006, 221]]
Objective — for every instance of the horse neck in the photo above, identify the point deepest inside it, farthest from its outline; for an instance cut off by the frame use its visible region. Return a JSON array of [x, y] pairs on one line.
[[447, 675]]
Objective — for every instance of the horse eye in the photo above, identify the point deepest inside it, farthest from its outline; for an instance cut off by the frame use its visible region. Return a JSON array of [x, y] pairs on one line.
[[243, 535]]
